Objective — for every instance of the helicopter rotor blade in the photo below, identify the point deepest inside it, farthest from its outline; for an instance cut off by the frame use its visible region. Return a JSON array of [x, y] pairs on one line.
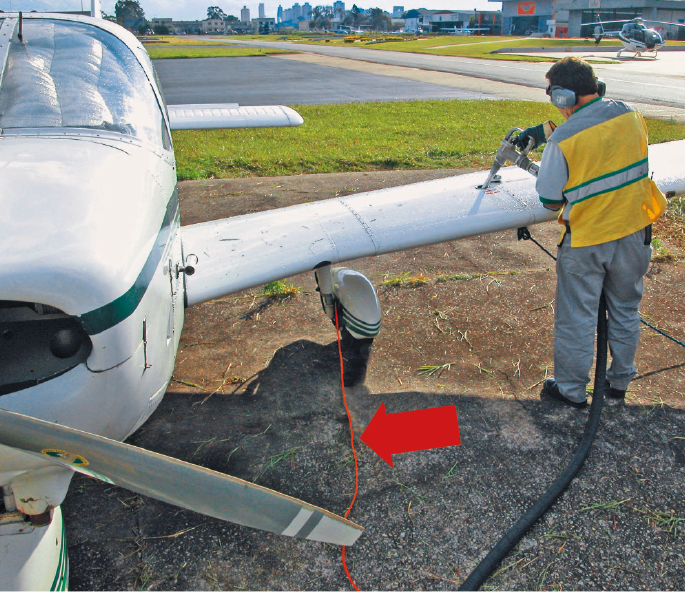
[[665, 23], [173, 481]]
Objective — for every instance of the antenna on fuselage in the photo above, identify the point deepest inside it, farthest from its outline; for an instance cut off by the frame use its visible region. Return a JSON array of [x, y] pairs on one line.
[[20, 33]]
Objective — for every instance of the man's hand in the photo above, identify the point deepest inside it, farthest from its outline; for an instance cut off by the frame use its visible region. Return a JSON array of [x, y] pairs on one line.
[[538, 133]]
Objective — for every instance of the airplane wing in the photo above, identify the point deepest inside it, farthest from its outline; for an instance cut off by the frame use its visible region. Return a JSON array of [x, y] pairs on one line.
[[247, 251], [231, 115]]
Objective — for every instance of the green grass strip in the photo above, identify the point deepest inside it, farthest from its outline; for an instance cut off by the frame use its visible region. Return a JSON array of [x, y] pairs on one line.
[[371, 137], [473, 47], [161, 52]]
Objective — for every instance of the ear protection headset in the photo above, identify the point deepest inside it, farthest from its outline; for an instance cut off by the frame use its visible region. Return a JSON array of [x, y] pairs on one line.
[[565, 98]]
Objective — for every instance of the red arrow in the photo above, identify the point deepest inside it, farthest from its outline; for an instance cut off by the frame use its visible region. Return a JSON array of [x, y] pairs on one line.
[[412, 430]]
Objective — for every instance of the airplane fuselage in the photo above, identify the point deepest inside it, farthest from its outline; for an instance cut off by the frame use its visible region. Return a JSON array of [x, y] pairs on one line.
[[91, 280], [91, 230]]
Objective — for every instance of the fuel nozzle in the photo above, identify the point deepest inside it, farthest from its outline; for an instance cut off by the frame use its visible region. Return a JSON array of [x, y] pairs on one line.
[[507, 152]]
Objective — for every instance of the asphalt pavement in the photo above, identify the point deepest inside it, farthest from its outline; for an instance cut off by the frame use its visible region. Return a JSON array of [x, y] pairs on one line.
[[263, 80]]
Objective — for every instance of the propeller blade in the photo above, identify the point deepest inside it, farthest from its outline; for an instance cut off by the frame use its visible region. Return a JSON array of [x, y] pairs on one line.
[[175, 482]]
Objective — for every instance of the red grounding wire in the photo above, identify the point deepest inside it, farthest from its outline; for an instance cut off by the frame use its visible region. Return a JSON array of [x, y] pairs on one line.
[[354, 452]]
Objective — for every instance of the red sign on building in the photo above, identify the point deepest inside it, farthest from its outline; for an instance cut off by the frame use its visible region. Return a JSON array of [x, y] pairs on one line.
[[526, 8]]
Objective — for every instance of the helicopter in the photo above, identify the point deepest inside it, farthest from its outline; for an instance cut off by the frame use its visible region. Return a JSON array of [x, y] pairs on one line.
[[634, 35]]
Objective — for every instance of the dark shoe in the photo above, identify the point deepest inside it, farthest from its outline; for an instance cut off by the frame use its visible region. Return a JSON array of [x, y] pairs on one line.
[[551, 389], [610, 391]]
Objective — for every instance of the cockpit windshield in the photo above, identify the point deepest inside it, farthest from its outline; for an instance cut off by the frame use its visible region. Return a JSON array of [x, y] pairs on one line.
[[65, 74]]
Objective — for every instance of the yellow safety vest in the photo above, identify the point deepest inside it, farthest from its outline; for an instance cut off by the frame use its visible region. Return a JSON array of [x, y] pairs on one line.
[[609, 188]]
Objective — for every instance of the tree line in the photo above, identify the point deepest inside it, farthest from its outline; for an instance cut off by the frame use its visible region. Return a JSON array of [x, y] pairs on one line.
[[375, 18]]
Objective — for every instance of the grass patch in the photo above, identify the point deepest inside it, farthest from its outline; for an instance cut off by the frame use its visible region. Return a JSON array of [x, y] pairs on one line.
[[371, 137], [281, 290], [172, 47], [431, 369], [676, 206], [604, 506], [173, 40], [404, 279], [472, 47], [667, 521], [487, 45], [272, 461], [162, 52], [660, 253]]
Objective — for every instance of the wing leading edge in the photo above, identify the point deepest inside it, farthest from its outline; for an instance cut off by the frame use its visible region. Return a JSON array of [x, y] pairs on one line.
[[247, 251], [231, 115]]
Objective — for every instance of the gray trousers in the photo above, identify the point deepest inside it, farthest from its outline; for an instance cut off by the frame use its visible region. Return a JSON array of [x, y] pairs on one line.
[[582, 272]]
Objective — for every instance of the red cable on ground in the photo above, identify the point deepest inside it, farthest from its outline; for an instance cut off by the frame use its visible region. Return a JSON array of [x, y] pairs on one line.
[[354, 452]]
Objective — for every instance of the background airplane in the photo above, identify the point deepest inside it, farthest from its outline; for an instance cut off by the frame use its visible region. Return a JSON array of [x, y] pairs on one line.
[[97, 273], [462, 30]]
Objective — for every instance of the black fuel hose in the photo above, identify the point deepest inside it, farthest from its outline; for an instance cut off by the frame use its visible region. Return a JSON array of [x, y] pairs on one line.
[[485, 568]]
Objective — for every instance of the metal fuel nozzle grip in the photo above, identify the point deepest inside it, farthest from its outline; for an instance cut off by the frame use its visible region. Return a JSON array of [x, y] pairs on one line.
[[507, 152]]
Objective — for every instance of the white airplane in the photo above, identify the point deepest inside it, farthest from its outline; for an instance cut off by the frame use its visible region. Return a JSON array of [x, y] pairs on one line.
[[462, 30], [97, 271], [634, 35]]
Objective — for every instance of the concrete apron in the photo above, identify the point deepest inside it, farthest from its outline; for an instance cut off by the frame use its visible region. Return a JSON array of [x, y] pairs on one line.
[[496, 90]]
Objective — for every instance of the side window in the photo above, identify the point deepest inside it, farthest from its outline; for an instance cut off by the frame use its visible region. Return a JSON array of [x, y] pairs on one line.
[[166, 133]]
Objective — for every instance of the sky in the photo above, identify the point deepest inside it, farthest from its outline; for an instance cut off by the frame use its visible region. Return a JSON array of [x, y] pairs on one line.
[[197, 9]]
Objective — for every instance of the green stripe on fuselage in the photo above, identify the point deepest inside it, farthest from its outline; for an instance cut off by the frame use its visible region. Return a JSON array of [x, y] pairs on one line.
[[61, 581], [103, 318]]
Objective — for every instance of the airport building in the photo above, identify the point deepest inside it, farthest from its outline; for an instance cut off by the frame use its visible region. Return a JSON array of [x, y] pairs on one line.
[[564, 18], [214, 26], [520, 16], [437, 21], [572, 13]]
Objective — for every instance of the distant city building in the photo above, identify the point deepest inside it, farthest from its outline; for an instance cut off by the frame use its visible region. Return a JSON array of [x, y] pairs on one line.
[[260, 25], [397, 11], [279, 14], [306, 11], [245, 14], [339, 9], [261, 10]]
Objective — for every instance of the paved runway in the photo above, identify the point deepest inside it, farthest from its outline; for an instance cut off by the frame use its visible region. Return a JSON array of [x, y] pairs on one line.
[[265, 81]]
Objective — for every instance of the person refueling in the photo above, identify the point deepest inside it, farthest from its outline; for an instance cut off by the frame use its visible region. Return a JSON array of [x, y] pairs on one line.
[[595, 170]]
